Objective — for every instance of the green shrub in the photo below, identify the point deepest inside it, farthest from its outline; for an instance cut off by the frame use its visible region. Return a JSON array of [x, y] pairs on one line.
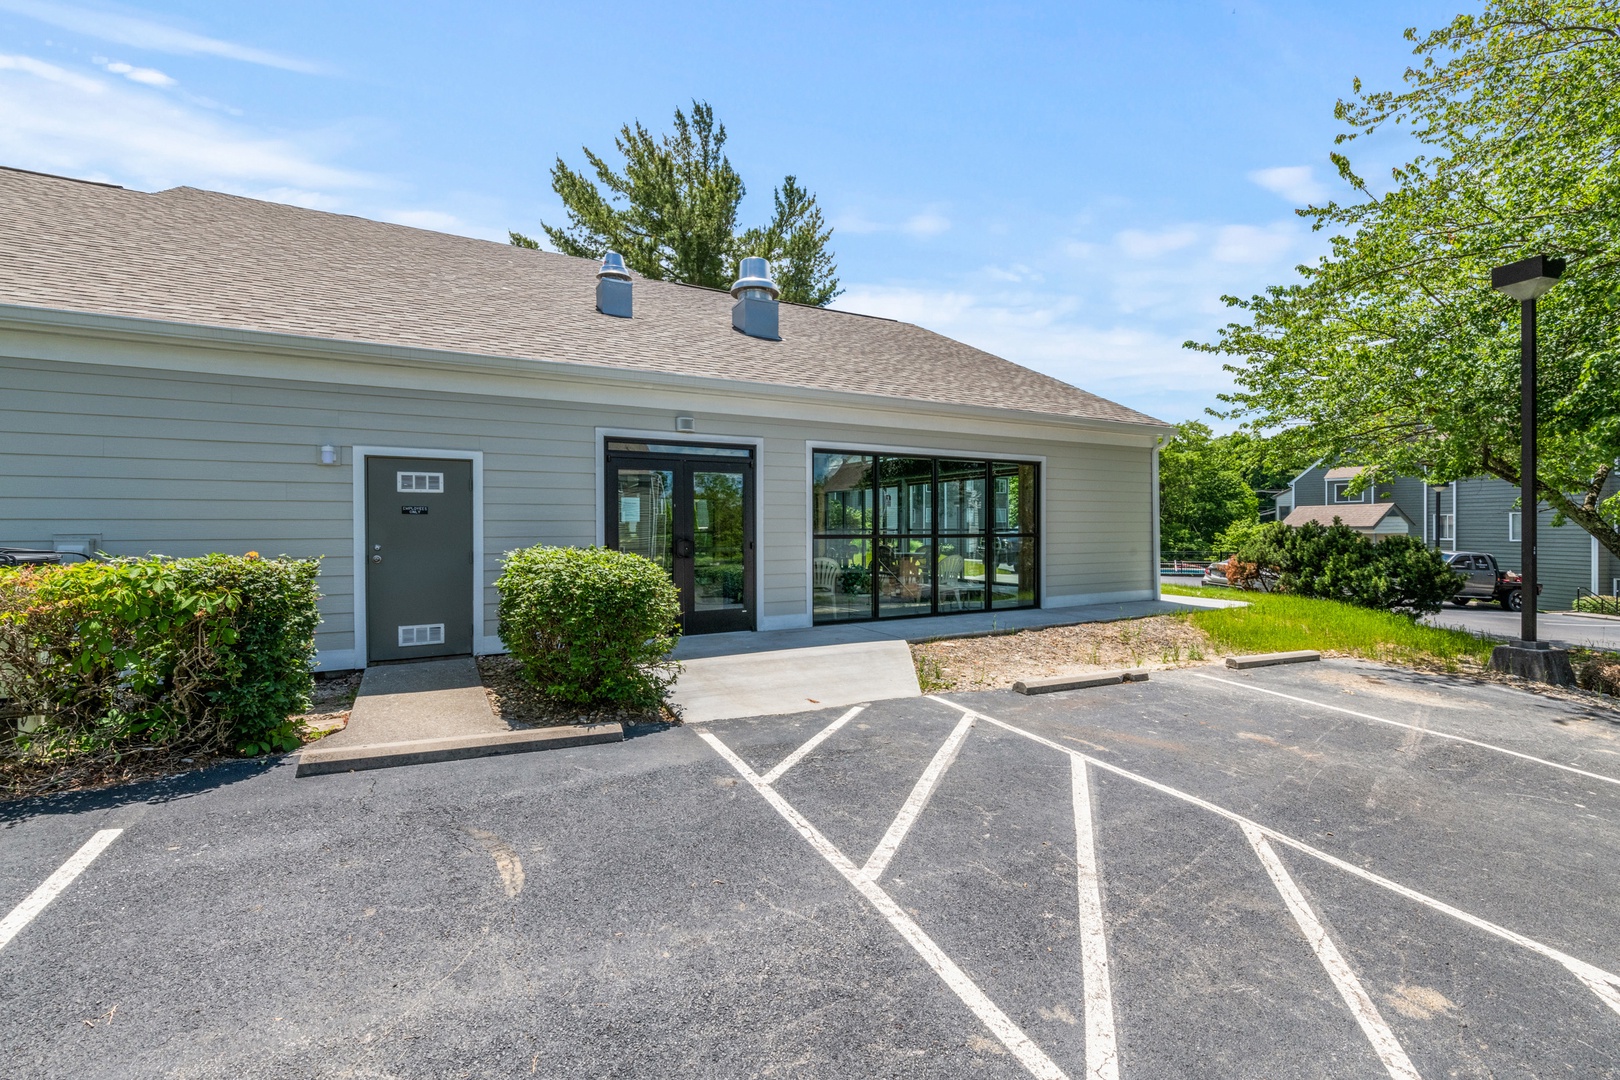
[[1597, 605], [206, 654], [591, 625], [1334, 562]]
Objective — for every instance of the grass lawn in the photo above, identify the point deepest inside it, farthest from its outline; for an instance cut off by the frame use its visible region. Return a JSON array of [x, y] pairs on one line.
[[1274, 623]]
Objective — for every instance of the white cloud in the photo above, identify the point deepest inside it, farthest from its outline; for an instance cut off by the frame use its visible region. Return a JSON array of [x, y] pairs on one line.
[[440, 221], [1133, 362], [1149, 245], [62, 121], [1296, 183], [143, 33], [926, 224], [920, 225], [145, 76], [1253, 244]]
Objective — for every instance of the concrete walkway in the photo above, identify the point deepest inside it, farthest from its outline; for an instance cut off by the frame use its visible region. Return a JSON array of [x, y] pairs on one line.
[[774, 672], [431, 710]]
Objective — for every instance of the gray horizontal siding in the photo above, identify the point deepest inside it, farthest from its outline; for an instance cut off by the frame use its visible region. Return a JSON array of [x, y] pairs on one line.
[[1563, 554], [184, 464]]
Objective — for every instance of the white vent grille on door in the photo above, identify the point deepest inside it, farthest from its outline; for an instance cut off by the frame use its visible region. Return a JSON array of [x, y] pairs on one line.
[[425, 634], [432, 482]]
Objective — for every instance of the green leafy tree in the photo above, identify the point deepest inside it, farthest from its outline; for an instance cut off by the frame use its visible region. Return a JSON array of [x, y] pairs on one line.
[[1202, 490], [672, 213], [1392, 350]]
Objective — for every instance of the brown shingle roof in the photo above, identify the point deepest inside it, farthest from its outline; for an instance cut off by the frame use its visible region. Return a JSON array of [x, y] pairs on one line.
[[204, 258], [1347, 472], [1355, 515]]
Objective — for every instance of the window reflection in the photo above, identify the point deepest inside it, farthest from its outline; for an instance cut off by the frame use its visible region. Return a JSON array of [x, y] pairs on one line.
[[905, 535]]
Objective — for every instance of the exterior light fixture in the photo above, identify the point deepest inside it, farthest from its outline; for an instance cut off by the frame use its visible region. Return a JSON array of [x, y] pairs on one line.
[[329, 455], [1524, 281]]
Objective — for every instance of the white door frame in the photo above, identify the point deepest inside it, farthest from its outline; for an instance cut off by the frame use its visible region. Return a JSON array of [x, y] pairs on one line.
[[481, 644]]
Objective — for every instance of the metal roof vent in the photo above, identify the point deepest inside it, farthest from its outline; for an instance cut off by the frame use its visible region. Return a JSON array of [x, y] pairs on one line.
[[613, 287], [754, 313]]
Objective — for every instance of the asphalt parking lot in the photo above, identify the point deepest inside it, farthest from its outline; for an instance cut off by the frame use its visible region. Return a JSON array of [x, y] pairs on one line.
[[1331, 870]]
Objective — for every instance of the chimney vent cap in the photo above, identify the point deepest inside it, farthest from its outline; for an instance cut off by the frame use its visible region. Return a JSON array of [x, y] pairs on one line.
[[613, 268], [754, 280]]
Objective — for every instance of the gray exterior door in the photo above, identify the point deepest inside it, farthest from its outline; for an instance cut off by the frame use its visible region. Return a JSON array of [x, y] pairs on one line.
[[419, 558]]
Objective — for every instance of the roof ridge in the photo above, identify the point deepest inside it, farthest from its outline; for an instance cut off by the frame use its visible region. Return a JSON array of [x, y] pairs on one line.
[[69, 179]]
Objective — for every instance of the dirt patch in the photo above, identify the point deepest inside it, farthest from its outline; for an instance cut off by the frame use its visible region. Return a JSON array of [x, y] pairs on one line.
[[330, 702], [991, 663], [516, 701]]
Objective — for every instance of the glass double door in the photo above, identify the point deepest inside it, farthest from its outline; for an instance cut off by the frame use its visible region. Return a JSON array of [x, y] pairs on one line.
[[693, 514]]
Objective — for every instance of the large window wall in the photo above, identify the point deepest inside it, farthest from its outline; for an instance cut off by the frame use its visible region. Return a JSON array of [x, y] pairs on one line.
[[896, 536]]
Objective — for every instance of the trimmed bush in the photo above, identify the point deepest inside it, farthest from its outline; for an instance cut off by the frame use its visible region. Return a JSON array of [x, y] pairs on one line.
[[591, 626], [208, 654], [1334, 562]]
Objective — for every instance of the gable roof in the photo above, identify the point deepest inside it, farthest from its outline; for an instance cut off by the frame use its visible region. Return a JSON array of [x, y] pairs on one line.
[[204, 258], [1345, 472], [1355, 515]]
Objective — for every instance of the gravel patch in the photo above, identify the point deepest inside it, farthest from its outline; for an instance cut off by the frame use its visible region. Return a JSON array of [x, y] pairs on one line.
[[996, 662]]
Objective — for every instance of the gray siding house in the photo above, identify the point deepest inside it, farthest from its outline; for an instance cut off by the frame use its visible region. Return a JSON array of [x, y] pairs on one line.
[[1468, 515], [186, 371]]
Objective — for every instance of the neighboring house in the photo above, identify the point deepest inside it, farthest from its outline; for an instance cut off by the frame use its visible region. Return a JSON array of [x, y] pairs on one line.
[[1376, 520], [1469, 515], [187, 371]]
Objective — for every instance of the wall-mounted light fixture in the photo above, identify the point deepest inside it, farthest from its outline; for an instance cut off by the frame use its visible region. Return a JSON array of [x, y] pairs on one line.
[[329, 455], [685, 423]]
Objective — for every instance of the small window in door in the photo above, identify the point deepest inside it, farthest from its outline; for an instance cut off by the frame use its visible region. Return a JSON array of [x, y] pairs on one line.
[[1481, 563], [429, 482]]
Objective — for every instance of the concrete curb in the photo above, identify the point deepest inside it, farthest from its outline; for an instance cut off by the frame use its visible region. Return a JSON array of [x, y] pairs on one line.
[[1056, 683], [1242, 663], [316, 761]]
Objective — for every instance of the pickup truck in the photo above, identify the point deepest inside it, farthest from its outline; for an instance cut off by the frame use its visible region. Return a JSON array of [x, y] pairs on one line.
[[1484, 580]]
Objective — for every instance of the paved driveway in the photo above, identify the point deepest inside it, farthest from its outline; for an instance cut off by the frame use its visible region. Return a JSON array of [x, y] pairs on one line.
[[1583, 631], [1339, 870]]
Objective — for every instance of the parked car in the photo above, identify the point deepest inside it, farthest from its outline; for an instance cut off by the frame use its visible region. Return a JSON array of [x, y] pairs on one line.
[[1215, 574], [1484, 580]]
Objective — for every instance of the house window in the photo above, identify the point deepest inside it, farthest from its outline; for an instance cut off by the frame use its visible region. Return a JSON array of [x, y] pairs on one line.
[[913, 535], [1448, 530], [1341, 493], [1513, 526]]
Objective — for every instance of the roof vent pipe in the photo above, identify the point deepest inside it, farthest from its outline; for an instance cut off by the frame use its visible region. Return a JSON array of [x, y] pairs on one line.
[[754, 313], [613, 287]]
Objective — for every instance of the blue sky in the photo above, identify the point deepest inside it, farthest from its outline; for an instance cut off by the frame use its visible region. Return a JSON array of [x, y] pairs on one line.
[[1072, 186]]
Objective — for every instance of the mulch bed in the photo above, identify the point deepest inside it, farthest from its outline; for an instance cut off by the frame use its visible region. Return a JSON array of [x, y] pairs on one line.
[[516, 701], [330, 702]]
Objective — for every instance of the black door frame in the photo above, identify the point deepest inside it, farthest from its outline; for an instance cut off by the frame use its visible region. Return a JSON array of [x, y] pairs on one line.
[[682, 466]]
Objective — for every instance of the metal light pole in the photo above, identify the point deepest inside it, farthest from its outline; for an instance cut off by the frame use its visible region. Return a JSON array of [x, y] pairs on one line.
[[1524, 281]]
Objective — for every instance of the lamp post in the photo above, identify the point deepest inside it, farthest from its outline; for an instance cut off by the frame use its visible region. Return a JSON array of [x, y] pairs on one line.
[[1524, 281]]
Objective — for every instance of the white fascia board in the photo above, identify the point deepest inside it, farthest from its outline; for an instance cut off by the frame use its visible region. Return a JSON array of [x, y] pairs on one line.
[[393, 366]]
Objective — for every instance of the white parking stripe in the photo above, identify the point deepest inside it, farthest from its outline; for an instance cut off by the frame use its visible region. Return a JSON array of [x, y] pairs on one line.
[[815, 740], [1589, 974], [1000, 1024], [1409, 727], [24, 913], [1344, 979], [1102, 1051], [879, 859]]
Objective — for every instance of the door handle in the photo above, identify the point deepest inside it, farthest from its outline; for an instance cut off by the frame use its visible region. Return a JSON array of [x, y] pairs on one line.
[[683, 548]]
